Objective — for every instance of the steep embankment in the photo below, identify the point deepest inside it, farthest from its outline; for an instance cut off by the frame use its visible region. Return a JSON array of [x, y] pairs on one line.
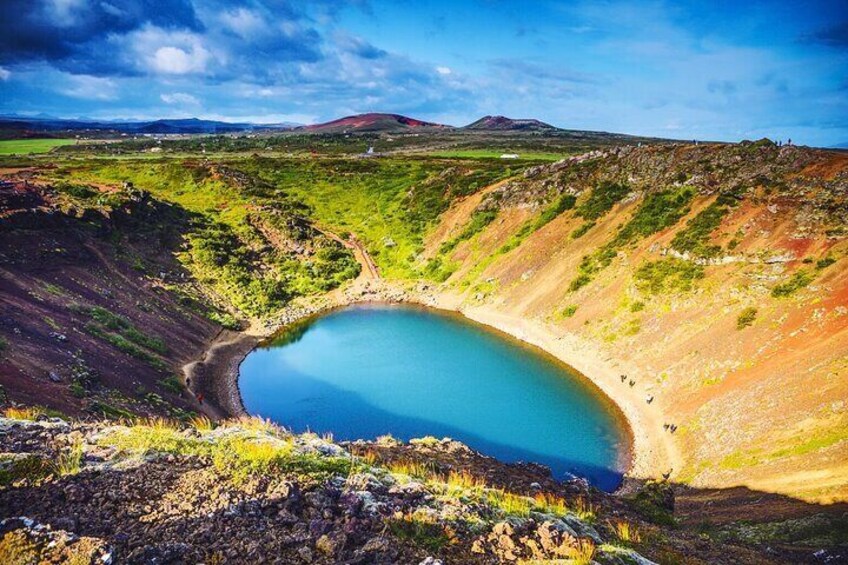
[[111, 296], [713, 277], [88, 324]]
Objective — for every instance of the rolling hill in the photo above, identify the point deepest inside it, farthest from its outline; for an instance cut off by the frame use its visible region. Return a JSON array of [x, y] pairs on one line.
[[502, 123], [372, 122]]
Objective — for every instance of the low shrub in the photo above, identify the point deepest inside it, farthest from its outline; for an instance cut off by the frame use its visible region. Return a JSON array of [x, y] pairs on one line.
[[581, 231], [601, 199], [825, 263], [172, 384], [798, 281], [69, 461], [669, 275], [746, 318], [568, 311], [479, 220]]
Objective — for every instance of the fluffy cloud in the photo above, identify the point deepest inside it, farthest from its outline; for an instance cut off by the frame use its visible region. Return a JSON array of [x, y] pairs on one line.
[[89, 87], [179, 98]]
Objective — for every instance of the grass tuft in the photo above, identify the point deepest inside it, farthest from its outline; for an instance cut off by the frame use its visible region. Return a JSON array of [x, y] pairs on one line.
[[69, 461], [746, 318], [625, 531], [30, 413]]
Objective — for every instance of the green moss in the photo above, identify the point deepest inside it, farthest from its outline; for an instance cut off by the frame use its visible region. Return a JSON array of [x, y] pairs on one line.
[[825, 263], [601, 199], [419, 531], [568, 311], [746, 318], [581, 231], [29, 468], [667, 276], [658, 211], [562, 204], [109, 411], [172, 384], [655, 503], [798, 281], [479, 220]]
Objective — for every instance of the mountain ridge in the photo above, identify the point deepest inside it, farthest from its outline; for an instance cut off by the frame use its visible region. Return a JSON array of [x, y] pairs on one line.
[[504, 123]]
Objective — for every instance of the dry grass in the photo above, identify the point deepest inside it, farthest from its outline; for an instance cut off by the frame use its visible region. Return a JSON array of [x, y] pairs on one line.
[[69, 462], [257, 424], [414, 469], [202, 424], [625, 531], [583, 553], [23, 413], [550, 504], [509, 503], [464, 480], [583, 509]]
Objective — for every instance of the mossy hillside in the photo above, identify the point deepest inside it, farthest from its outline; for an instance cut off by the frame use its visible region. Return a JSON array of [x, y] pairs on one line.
[[224, 245], [657, 211], [388, 203]]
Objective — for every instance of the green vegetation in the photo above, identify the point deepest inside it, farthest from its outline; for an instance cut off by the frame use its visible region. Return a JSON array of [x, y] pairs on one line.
[[667, 276], [695, 237], [262, 450], [746, 318], [656, 212], [798, 281], [172, 384], [25, 146], [488, 154], [421, 530], [29, 468], [119, 332], [582, 230], [653, 503], [229, 217], [388, 203], [69, 461], [568, 311], [825, 262], [562, 204], [603, 197], [479, 220]]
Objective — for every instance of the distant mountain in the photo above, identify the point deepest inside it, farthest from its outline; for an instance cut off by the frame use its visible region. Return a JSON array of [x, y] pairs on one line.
[[165, 126], [840, 146], [373, 122], [502, 123]]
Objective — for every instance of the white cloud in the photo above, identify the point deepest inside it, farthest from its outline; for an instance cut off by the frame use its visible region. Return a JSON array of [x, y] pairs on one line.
[[63, 13], [156, 50], [179, 98], [175, 61], [295, 118], [243, 22], [443, 70], [88, 87], [4, 74]]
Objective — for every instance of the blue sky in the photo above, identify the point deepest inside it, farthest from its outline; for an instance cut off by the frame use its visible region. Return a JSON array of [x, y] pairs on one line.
[[688, 69]]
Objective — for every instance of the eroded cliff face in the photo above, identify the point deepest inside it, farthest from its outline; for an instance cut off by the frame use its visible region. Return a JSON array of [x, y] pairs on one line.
[[714, 276]]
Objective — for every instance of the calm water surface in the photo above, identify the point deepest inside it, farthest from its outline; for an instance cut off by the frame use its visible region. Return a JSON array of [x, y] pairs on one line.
[[370, 370]]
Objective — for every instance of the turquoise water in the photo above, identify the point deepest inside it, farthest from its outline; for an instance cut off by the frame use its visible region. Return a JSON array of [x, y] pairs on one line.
[[370, 370]]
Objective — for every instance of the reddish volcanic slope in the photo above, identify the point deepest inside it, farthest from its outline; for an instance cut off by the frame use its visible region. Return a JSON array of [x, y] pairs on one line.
[[371, 122]]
